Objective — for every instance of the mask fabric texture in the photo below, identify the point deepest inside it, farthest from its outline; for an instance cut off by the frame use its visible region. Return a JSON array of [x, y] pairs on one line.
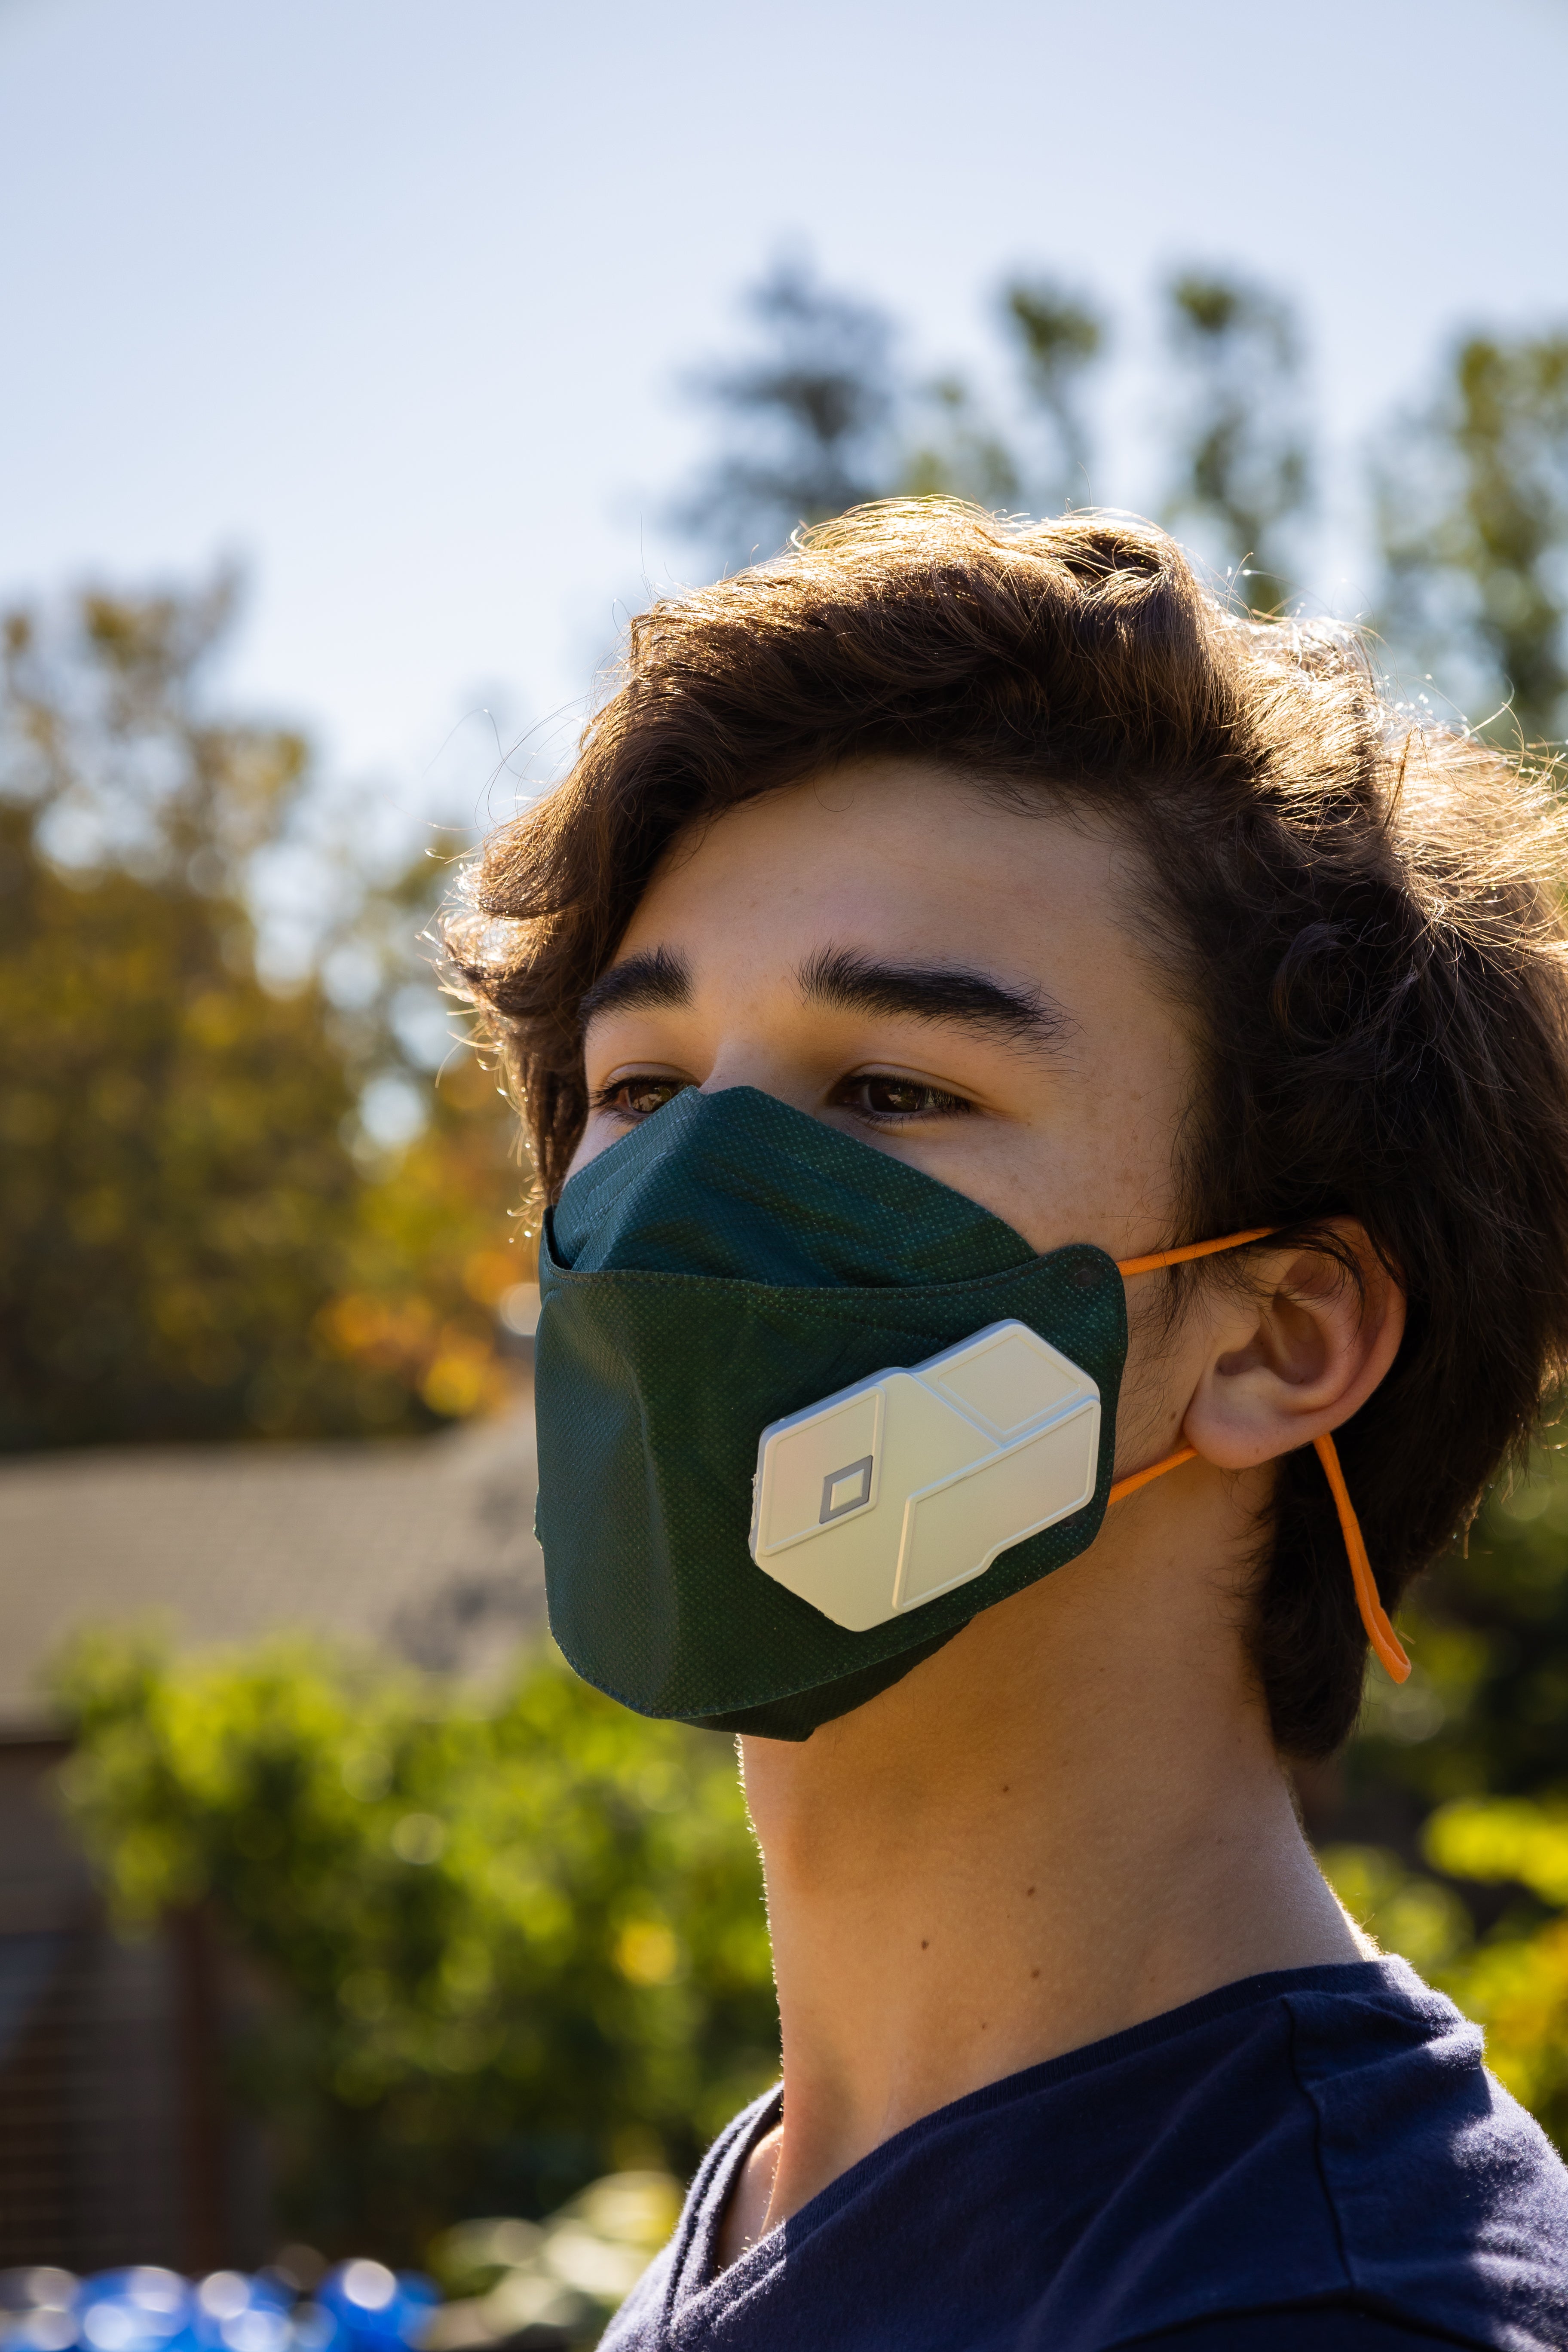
[[728, 1262]]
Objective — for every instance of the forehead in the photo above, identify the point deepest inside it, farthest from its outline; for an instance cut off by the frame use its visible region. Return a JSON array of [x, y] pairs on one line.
[[902, 860]]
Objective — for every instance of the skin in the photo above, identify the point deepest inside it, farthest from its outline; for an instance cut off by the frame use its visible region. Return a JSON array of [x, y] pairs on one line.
[[1072, 1818]]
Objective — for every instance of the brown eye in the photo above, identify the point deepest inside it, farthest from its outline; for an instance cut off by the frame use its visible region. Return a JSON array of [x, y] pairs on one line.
[[876, 1098], [638, 1097], [894, 1097]]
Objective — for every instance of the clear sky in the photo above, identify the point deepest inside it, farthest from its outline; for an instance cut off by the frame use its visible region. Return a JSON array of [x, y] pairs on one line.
[[391, 298]]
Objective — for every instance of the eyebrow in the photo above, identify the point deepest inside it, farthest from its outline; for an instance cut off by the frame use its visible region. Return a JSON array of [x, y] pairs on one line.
[[856, 983], [849, 982], [654, 978]]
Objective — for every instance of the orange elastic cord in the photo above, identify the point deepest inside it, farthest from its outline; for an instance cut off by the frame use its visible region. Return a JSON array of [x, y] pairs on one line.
[[1158, 1258], [1374, 1616], [1136, 1478]]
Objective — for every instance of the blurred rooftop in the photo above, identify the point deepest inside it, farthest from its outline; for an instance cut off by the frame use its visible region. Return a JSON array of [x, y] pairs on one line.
[[423, 1546]]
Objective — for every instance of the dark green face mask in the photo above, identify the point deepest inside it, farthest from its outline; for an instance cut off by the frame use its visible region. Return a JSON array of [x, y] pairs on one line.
[[731, 1538]]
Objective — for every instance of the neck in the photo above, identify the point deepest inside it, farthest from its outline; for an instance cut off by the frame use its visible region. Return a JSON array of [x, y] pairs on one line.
[[1070, 1820]]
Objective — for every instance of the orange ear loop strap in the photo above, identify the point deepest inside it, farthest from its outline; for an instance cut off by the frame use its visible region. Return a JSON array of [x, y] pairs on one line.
[[1374, 1616], [1158, 1258]]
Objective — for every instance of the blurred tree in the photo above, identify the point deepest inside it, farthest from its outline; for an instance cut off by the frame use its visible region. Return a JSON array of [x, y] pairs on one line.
[[439, 1240], [1514, 1979], [955, 449], [508, 1945], [175, 1190], [1057, 337], [807, 418], [105, 735], [1472, 501], [188, 1199], [824, 416], [1241, 473], [1053, 337], [559, 2284]]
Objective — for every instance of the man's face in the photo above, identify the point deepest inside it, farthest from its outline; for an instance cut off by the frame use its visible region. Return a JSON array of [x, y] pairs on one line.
[[955, 982]]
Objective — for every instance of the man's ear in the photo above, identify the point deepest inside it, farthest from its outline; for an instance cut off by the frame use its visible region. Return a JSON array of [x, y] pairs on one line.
[[1296, 1355]]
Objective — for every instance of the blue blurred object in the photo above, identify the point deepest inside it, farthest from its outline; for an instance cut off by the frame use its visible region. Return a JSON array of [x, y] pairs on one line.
[[236, 2314], [360, 2306], [37, 2309], [144, 2309], [376, 2308]]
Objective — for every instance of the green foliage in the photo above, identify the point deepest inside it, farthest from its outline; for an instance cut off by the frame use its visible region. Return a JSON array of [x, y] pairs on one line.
[[439, 1239], [1514, 1980], [570, 2274], [104, 731], [1506, 1839], [1057, 337], [195, 1242], [824, 413], [805, 416], [1470, 497], [507, 1944], [957, 450], [1462, 1775], [1510, 1977], [175, 1184], [1408, 1912], [954, 447], [1473, 512], [1242, 465], [1485, 1705]]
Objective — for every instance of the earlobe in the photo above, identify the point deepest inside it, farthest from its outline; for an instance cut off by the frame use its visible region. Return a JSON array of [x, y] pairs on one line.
[[1295, 1357]]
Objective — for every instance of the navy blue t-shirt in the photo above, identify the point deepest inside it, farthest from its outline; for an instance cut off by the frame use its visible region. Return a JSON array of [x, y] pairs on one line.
[[1310, 2161]]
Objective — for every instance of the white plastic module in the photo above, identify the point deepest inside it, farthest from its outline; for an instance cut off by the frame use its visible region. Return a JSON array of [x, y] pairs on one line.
[[911, 1482]]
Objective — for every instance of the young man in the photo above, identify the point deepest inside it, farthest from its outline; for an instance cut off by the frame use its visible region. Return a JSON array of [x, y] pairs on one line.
[[943, 928]]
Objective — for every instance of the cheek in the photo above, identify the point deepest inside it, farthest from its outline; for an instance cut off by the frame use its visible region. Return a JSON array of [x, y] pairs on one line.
[[1123, 1142], [598, 1135], [1099, 1171]]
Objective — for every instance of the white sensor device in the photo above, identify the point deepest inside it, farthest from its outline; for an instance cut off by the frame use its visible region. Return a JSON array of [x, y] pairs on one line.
[[910, 1483]]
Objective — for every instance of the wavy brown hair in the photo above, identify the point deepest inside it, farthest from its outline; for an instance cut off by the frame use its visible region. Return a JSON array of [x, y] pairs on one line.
[[1363, 912]]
